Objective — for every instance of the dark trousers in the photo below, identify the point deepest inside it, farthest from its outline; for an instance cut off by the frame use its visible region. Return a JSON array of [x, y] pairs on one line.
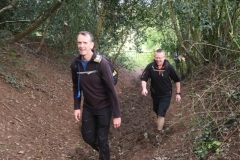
[[95, 130]]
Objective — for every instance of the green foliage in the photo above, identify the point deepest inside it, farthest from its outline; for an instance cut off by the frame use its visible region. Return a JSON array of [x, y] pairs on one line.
[[24, 14], [217, 97], [153, 39], [205, 141], [238, 63], [142, 62], [161, 38], [68, 21], [5, 34], [2, 68], [146, 22], [12, 79], [126, 61], [204, 22], [130, 60], [232, 93]]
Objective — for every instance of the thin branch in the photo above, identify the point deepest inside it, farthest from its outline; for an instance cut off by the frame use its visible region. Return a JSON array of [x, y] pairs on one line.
[[35, 25], [43, 37], [15, 21], [212, 46], [18, 119], [27, 15], [126, 34], [8, 7], [6, 106], [230, 135], [197, 51]]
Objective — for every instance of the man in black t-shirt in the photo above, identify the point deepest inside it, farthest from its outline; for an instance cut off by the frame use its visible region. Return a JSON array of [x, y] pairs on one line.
[[161, 73]]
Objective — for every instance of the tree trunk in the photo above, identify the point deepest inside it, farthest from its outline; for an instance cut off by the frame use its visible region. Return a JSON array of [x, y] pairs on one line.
[[179, 37], [121, 46], [37, 23], [43, 38], [99, 22]]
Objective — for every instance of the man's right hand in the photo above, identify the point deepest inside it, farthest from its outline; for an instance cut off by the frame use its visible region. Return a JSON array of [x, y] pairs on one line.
[[77, 114], [144, 92]]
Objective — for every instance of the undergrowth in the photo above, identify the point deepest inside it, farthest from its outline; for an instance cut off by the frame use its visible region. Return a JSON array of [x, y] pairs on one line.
[[215, 111]]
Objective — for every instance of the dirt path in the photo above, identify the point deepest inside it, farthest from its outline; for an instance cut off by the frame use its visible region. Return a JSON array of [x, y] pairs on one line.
[[139, 120], [37, 122]]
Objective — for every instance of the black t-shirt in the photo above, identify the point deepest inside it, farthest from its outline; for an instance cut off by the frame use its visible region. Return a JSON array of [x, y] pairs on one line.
[[161, 80]]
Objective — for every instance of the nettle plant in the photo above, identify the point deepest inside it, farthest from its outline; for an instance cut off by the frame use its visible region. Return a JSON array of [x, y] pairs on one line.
[[205, 142]]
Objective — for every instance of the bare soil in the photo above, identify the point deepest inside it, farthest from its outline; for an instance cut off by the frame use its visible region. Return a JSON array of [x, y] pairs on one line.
[[37, 123]]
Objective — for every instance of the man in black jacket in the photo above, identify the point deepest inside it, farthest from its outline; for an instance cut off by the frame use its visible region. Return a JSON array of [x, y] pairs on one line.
[[161, 72], [100, 98]]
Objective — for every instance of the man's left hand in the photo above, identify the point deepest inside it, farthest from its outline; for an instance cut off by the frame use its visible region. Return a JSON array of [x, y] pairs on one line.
[[178, 98]]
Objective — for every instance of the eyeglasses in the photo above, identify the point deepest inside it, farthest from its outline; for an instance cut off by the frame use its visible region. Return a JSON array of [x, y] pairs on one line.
[[159, 58]]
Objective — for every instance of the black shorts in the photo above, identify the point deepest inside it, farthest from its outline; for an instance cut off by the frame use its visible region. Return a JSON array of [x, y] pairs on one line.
[[161, 105]]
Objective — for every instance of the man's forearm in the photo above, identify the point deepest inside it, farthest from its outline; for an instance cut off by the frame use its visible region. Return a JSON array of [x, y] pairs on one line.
[[144, 85], [178, 87]]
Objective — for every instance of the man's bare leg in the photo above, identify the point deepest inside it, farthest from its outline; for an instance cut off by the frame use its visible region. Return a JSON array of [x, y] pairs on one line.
[[160, 122]]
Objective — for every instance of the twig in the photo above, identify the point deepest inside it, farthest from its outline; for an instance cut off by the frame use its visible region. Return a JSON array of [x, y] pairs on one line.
[[230, 135], [15, 21], [7, 106], [18, 119], [236, 154]]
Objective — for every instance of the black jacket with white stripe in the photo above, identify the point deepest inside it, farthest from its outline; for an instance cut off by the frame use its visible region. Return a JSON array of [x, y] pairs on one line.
[[99, 92]]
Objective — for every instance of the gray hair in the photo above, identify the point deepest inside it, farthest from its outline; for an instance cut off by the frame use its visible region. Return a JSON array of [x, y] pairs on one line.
[[84, 33], [160, 51]]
